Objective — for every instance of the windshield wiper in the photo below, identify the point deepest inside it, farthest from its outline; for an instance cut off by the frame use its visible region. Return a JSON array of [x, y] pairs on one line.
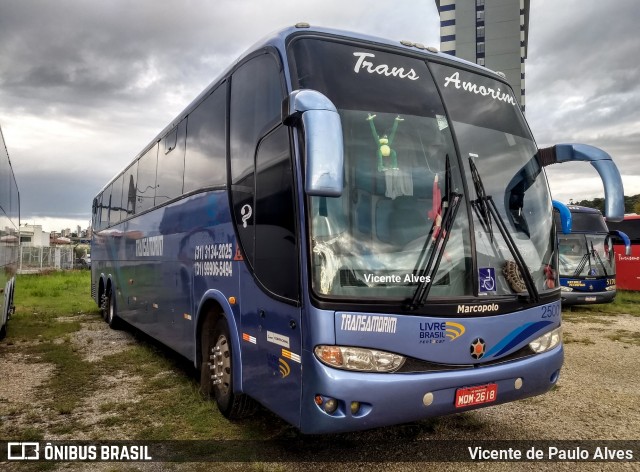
[[587, 258], [480, 205], [486, 207], [427, 267]]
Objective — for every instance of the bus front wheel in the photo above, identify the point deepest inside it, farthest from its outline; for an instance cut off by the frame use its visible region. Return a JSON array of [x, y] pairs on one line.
[[216, 375]]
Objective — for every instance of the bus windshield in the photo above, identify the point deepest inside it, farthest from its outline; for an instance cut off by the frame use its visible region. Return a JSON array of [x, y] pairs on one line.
[[585, 255], [407, 161]]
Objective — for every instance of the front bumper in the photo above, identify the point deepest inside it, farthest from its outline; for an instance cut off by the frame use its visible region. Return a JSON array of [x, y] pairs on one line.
[[387, 399]]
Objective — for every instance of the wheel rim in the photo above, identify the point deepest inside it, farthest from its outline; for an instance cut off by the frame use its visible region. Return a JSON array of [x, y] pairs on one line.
[[221, 365]]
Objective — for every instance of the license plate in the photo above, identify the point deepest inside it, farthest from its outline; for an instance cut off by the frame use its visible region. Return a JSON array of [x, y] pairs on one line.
[[590, 299], [470, 396]]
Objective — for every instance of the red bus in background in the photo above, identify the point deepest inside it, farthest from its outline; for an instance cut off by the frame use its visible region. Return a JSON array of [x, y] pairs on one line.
[[628, 267]]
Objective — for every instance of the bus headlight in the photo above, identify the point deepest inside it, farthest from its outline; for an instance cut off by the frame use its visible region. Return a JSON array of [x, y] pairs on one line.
[[610, 288], [547, 341], [359, 359], [566, 289]]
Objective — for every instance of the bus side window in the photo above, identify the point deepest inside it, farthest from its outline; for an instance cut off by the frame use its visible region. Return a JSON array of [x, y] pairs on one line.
[[276, 251], [205, 164], [146, 189], [116, 200], [106, 206], [171, 165], [256, 97], [129, 190]]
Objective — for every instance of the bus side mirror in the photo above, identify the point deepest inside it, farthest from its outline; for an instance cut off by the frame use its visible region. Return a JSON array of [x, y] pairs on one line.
[[565, 216], [322, 130], [602, 162], [625, 240]]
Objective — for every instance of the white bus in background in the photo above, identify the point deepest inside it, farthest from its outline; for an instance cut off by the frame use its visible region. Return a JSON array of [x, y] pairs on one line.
[[9, 235]]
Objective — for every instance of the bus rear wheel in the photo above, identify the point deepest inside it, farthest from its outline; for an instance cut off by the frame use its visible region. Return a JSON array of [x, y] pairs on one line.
[[216, 374], [109, 310]]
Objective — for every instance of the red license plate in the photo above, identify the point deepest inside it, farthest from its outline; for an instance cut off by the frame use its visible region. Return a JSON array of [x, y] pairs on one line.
[[470, 396]]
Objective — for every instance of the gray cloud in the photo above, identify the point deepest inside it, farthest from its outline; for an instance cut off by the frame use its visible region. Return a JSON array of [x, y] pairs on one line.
[[85, 85]]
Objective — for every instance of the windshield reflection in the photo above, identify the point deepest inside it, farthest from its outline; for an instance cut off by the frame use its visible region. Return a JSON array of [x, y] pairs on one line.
[[373, 235]]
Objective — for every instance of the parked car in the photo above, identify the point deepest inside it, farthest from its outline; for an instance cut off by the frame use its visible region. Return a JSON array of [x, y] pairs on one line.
[[84, 262]]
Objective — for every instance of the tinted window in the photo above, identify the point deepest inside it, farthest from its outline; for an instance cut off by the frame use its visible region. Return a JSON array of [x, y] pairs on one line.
[[256, 97], [116, 201], [95, 213], [276, 252], [129, 198], [146, 189], [356, 78], [480, 101], [171, 165], [205, 163], [105, 206]]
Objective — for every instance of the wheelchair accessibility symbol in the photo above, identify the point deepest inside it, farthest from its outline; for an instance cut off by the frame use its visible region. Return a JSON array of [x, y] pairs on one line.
[[487, 279]]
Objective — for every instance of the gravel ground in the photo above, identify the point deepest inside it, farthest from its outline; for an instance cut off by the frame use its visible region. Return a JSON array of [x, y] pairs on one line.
[[597, 398]]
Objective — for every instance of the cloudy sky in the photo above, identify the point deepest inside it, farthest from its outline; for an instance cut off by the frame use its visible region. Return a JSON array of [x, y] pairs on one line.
[[85, 85]]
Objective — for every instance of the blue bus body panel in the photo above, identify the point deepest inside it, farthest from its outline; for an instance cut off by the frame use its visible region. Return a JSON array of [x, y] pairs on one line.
[[161, 261], [446, 340], [387, 401], [389, 398]]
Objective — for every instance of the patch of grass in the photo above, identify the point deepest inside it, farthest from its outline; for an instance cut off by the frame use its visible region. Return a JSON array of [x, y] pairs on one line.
[[41, 298], [58, 293], [580, 316], [569, 339], [73, 380], [625, 302], [39, 327], [170, 392], [27, 433], [626, 336]]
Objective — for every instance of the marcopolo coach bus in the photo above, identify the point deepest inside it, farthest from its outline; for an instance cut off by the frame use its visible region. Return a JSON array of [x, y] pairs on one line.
[[350, 231], [587, 265], [9, 236]]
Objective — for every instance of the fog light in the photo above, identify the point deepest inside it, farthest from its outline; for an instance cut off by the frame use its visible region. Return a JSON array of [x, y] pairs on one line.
[[518, 384], [331, 405], [355, 408], [427, 399]]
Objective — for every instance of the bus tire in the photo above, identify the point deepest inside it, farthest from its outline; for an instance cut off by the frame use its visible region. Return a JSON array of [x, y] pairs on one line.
[[104, 305], [111, 313], [3, 328], [216, 375]]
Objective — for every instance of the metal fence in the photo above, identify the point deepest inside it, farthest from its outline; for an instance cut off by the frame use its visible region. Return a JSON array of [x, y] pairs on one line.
[[37, 259]]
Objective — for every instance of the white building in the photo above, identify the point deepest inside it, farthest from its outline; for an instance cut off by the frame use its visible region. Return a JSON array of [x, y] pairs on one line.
[[33, 236], [492, 33]]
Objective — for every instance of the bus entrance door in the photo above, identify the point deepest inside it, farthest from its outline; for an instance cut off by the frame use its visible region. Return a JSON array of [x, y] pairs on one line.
[[271, 351]]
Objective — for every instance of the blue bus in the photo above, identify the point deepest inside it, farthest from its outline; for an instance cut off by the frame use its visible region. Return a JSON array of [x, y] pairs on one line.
[[351, 231], [587, 263], [9, 236]]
